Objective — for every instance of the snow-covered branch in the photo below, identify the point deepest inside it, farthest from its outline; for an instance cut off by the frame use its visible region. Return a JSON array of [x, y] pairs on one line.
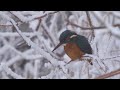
[[114, 30], [10, 72], [11, 34], [31, 18], [34, 46]]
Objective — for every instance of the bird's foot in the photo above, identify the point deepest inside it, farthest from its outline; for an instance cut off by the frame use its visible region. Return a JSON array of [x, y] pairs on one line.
[[89, 59]]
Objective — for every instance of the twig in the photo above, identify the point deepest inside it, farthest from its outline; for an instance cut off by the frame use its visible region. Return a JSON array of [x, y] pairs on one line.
[[7, 25], [4, 25], [16, 16], [46, 31], [90, 22], [25, 56], [110, 28], [18, 57], [10, 72], [38, 25], [87, 28], [46, 55], [100, 66], [111, 58], [33, 18], [113, 73], [46, 15], [15, 34]]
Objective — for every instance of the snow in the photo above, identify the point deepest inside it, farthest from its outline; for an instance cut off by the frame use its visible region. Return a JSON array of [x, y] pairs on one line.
[[14, 34], [10, 72], [34, 58], [33, 24]]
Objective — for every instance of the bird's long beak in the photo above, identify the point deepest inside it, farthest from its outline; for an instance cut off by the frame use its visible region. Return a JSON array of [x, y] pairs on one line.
[[57, 47]]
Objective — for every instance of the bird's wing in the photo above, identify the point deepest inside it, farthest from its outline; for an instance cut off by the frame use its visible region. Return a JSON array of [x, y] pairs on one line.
[[83, 44]]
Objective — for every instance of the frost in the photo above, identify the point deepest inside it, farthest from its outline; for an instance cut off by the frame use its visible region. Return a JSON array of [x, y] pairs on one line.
[[10, 72], [27, 39]]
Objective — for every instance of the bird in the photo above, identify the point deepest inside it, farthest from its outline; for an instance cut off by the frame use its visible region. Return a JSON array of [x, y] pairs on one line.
[[75, 46]]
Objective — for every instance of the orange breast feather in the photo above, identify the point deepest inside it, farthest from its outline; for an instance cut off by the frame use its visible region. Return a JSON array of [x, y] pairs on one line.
[[73, 51]]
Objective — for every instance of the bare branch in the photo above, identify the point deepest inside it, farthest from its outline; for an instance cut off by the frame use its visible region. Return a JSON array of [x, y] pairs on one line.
[[7, 25], [87, 28], [15, 34], [46, 15], [90, 22], [113, 73], [33, 18], [3, 25], [10, 72], [38, 25], [34, 46], [16, 16]]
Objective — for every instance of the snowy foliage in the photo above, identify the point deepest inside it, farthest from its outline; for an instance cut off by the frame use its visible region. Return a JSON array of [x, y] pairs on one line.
[[27, 39]]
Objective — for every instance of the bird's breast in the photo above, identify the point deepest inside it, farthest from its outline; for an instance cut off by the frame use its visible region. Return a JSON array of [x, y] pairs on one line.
[[73, 51]]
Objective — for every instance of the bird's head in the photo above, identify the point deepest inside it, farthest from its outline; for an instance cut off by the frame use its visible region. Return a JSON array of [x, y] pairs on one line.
[[65, 37]]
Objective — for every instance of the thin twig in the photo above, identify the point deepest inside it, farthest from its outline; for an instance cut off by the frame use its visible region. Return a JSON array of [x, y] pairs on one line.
[[87, 28], [111, 58], [3, 25], [100, 66], [46, 15], [33, 45], [15, 34], [90, 22], [10, 72], [16, 16], [113, 73], [48, 35], [40, 17], [38, 25]]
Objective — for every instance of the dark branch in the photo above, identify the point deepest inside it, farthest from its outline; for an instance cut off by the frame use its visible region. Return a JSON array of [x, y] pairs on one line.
[[38, 25], [48, 35], [16, 16], [46, 15], [113, 73], [90, 22], [6, 25], [36, 17], [86, 28]]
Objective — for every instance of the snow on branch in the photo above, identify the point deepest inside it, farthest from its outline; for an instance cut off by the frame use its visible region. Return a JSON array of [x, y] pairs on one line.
[[14, 34], [18, 57], [34, 46], [31, 18], [90, 22], [114, 30], [25, 56], [10, 72]]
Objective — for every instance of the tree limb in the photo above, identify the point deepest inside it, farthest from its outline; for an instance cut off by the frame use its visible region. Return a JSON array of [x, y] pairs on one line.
[[113, 73], [90, 22], [87, 28]]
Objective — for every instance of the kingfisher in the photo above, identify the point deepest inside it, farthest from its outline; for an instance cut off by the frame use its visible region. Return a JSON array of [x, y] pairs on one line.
[[75, 46]]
